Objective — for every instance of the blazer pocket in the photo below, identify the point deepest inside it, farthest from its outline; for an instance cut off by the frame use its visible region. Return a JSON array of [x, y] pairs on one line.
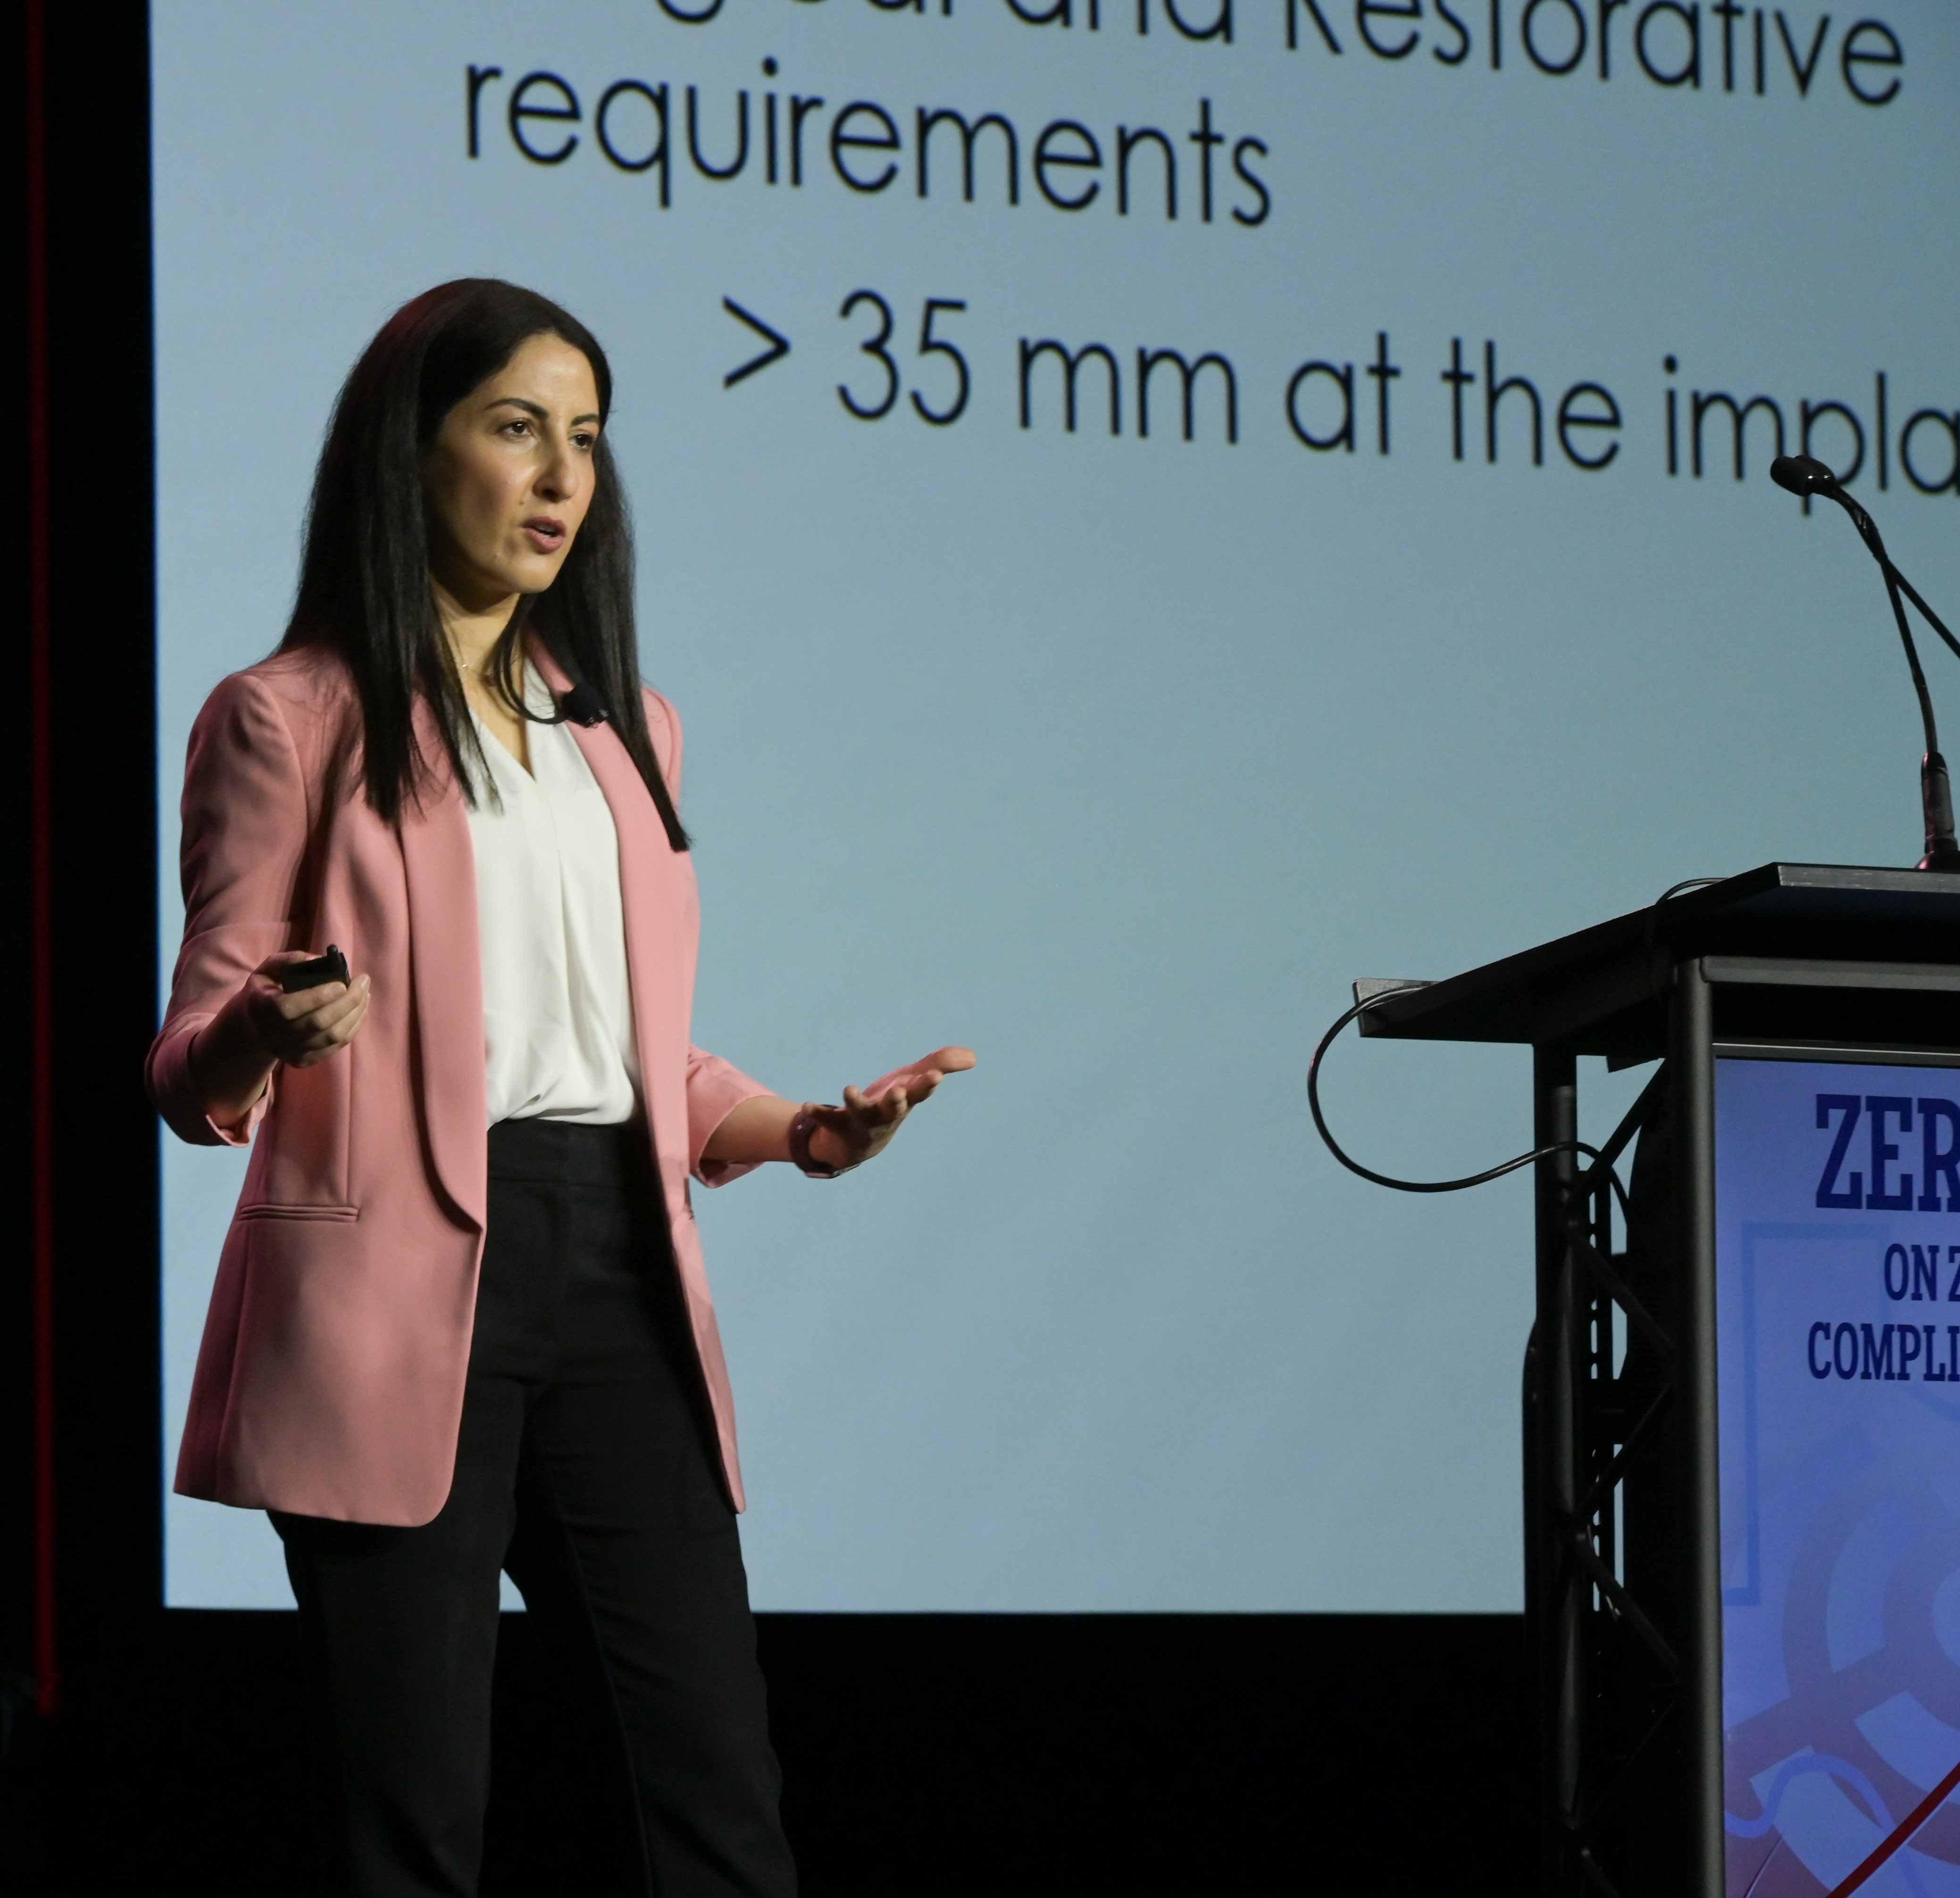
[[273, 1209]]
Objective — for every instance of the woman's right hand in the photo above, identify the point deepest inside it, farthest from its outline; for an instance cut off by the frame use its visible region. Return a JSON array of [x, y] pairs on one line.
[[306, 1027], [262, 1026]]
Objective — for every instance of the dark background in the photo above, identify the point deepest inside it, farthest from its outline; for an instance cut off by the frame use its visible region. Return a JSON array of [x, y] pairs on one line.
[[924, 1755]]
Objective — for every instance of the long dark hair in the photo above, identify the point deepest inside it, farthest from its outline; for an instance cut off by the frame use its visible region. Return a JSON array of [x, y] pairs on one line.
[[364, 590]]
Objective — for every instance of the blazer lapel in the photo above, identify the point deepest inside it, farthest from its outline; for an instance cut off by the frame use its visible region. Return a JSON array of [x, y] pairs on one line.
[[447, 972], [659, 974]]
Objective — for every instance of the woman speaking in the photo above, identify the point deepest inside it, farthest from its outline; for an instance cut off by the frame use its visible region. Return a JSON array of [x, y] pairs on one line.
[[434, 1352]]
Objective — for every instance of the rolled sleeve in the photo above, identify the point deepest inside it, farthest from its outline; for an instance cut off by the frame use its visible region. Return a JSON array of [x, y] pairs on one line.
[[715, 1089], [167, 1074]]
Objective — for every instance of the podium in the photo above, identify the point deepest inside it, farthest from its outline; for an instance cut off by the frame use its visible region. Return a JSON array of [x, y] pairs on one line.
[[1741, 1391]]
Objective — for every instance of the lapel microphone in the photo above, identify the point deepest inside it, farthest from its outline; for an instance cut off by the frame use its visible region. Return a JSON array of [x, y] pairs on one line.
[[582, 706], [579, 703]]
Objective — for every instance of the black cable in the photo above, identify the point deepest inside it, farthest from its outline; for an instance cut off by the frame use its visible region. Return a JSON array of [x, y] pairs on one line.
[[1431, 1186], [1932, 619], [1896, 583], [1652, 931], [1592, 1153], [1686, 883]]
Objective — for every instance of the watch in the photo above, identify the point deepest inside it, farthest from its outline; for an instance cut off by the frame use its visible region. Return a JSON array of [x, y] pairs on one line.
[[805, 1124]]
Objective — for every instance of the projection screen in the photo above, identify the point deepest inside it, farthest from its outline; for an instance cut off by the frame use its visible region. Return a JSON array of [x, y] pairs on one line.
[[1150, 509]]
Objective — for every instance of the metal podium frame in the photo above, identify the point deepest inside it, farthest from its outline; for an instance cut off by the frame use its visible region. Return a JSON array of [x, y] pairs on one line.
[[1622, 1523]]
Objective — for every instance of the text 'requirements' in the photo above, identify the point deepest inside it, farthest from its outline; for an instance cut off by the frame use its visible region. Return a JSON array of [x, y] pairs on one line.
[[1212, 170]]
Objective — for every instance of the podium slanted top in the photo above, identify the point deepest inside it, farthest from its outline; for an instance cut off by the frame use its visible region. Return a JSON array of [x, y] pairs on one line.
[[1893, 933]]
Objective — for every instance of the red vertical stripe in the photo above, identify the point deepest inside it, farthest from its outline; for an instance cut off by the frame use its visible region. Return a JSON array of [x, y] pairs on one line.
[[41, 846]]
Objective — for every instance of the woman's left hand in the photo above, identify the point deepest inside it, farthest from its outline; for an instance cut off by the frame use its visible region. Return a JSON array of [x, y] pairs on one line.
[[862, 1128]]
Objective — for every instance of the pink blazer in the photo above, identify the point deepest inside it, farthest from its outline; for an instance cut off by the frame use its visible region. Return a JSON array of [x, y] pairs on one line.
[[329, 1381]]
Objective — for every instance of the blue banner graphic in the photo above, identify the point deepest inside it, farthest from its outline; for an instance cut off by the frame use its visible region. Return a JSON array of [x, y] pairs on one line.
[[1838, 1327]]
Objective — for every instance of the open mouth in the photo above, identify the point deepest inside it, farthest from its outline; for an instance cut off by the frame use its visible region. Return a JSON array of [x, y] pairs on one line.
[[545, 535]]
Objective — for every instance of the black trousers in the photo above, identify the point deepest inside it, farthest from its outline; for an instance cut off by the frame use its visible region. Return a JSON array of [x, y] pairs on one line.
[[584, 1470]]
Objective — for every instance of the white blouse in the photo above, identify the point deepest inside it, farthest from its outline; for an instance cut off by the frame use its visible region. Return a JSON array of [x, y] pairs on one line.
[[557, 1013]]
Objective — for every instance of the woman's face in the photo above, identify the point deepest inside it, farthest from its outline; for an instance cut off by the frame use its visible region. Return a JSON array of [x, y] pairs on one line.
[[509, 476]]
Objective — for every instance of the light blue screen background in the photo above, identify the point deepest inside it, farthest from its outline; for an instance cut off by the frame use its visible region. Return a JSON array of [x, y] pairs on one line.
[[1117, 758], [1840, 1492]]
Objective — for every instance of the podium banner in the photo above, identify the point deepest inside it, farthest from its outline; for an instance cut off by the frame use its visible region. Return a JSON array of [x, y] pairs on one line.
[[1837, 1246]]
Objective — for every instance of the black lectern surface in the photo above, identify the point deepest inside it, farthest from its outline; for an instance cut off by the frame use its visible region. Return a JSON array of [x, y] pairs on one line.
[[1599, 989], [1800, 986]]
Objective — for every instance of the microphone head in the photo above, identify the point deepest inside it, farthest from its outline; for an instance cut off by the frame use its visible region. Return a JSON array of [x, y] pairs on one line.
[[582, 706], [1803, 474]]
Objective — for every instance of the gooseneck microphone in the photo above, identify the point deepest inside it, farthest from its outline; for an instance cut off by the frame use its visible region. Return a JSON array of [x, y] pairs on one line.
[[1805, 474]]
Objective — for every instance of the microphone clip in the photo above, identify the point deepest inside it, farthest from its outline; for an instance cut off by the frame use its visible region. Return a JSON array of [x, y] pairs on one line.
[[582, 706], [1935, 795]]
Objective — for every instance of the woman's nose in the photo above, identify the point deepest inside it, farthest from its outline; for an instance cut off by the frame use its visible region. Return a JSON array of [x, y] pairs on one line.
[[558, 478]]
